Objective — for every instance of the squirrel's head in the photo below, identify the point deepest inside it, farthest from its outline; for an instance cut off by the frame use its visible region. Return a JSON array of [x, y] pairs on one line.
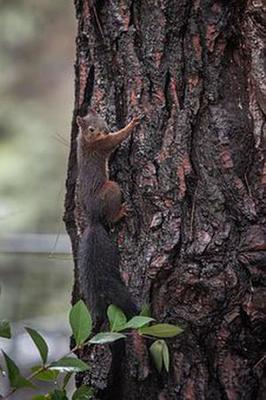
[[92, 126]]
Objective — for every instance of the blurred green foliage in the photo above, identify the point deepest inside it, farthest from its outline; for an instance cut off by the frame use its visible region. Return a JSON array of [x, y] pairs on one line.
[[37, 41]]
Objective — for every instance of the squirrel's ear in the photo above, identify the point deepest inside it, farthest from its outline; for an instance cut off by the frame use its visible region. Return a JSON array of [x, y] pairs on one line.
[[79, 121]]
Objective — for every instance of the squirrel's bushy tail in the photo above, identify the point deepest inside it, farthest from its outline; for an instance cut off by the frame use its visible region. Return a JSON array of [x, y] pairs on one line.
[[100, 281]]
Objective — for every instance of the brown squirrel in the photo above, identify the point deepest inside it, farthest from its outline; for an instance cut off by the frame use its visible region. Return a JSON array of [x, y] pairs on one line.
[[100, 198]]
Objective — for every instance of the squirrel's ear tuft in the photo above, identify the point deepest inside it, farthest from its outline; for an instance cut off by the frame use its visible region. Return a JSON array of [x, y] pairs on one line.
[[79, 121]]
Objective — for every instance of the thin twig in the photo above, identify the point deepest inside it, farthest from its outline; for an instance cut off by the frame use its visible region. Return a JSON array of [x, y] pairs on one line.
[[42, 369]]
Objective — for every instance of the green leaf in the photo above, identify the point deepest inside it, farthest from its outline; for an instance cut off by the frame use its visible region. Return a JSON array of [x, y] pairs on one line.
[[39, 342], [47, 375], [136, 322], [15, 378], [83, 393], [80, 321], [67, 378], [156, 351], [161, 330], [145, 310], [58, 395], [116, 317], [106, 337], [5, 330], [166, 359], [42, 397], [69, 364]]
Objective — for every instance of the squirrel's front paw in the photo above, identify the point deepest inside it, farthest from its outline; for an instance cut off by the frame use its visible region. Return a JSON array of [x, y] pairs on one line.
[[136, 120]]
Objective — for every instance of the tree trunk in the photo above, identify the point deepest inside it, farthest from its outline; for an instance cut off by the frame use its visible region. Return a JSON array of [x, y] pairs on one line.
[[194, 175]]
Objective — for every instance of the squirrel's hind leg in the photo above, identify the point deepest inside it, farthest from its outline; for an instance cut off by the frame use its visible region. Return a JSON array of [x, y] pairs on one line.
[[111, 202]]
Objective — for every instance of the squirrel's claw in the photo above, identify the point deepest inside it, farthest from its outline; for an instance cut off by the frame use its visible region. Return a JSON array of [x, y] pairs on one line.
[[126, 209], [137, 119]]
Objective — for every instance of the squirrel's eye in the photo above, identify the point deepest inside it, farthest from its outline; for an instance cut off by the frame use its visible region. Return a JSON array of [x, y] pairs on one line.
[[91, 129]]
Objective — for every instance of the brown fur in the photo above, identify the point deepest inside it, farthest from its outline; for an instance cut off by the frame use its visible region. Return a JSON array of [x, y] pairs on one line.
[[100, 199]]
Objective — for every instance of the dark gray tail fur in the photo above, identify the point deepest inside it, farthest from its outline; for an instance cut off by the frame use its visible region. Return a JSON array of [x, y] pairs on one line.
[[100, 280]]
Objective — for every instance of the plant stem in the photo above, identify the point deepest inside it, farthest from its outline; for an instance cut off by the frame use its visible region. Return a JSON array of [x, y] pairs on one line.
[[42, 369]]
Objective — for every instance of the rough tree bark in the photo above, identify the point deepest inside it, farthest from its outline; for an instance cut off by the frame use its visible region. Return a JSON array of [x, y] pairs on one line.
[[194, 174]]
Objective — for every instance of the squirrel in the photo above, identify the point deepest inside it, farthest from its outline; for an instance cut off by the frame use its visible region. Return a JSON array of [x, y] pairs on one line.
[[98, 258]]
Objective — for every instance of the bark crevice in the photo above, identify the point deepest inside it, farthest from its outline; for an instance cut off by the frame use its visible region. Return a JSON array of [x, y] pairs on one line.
[[194, 175]]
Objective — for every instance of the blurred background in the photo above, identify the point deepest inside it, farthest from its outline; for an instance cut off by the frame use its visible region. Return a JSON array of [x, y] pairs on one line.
[[37, 46]]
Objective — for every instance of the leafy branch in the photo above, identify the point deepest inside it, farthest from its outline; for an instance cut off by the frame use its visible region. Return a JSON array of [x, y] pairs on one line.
[[81, 325]]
